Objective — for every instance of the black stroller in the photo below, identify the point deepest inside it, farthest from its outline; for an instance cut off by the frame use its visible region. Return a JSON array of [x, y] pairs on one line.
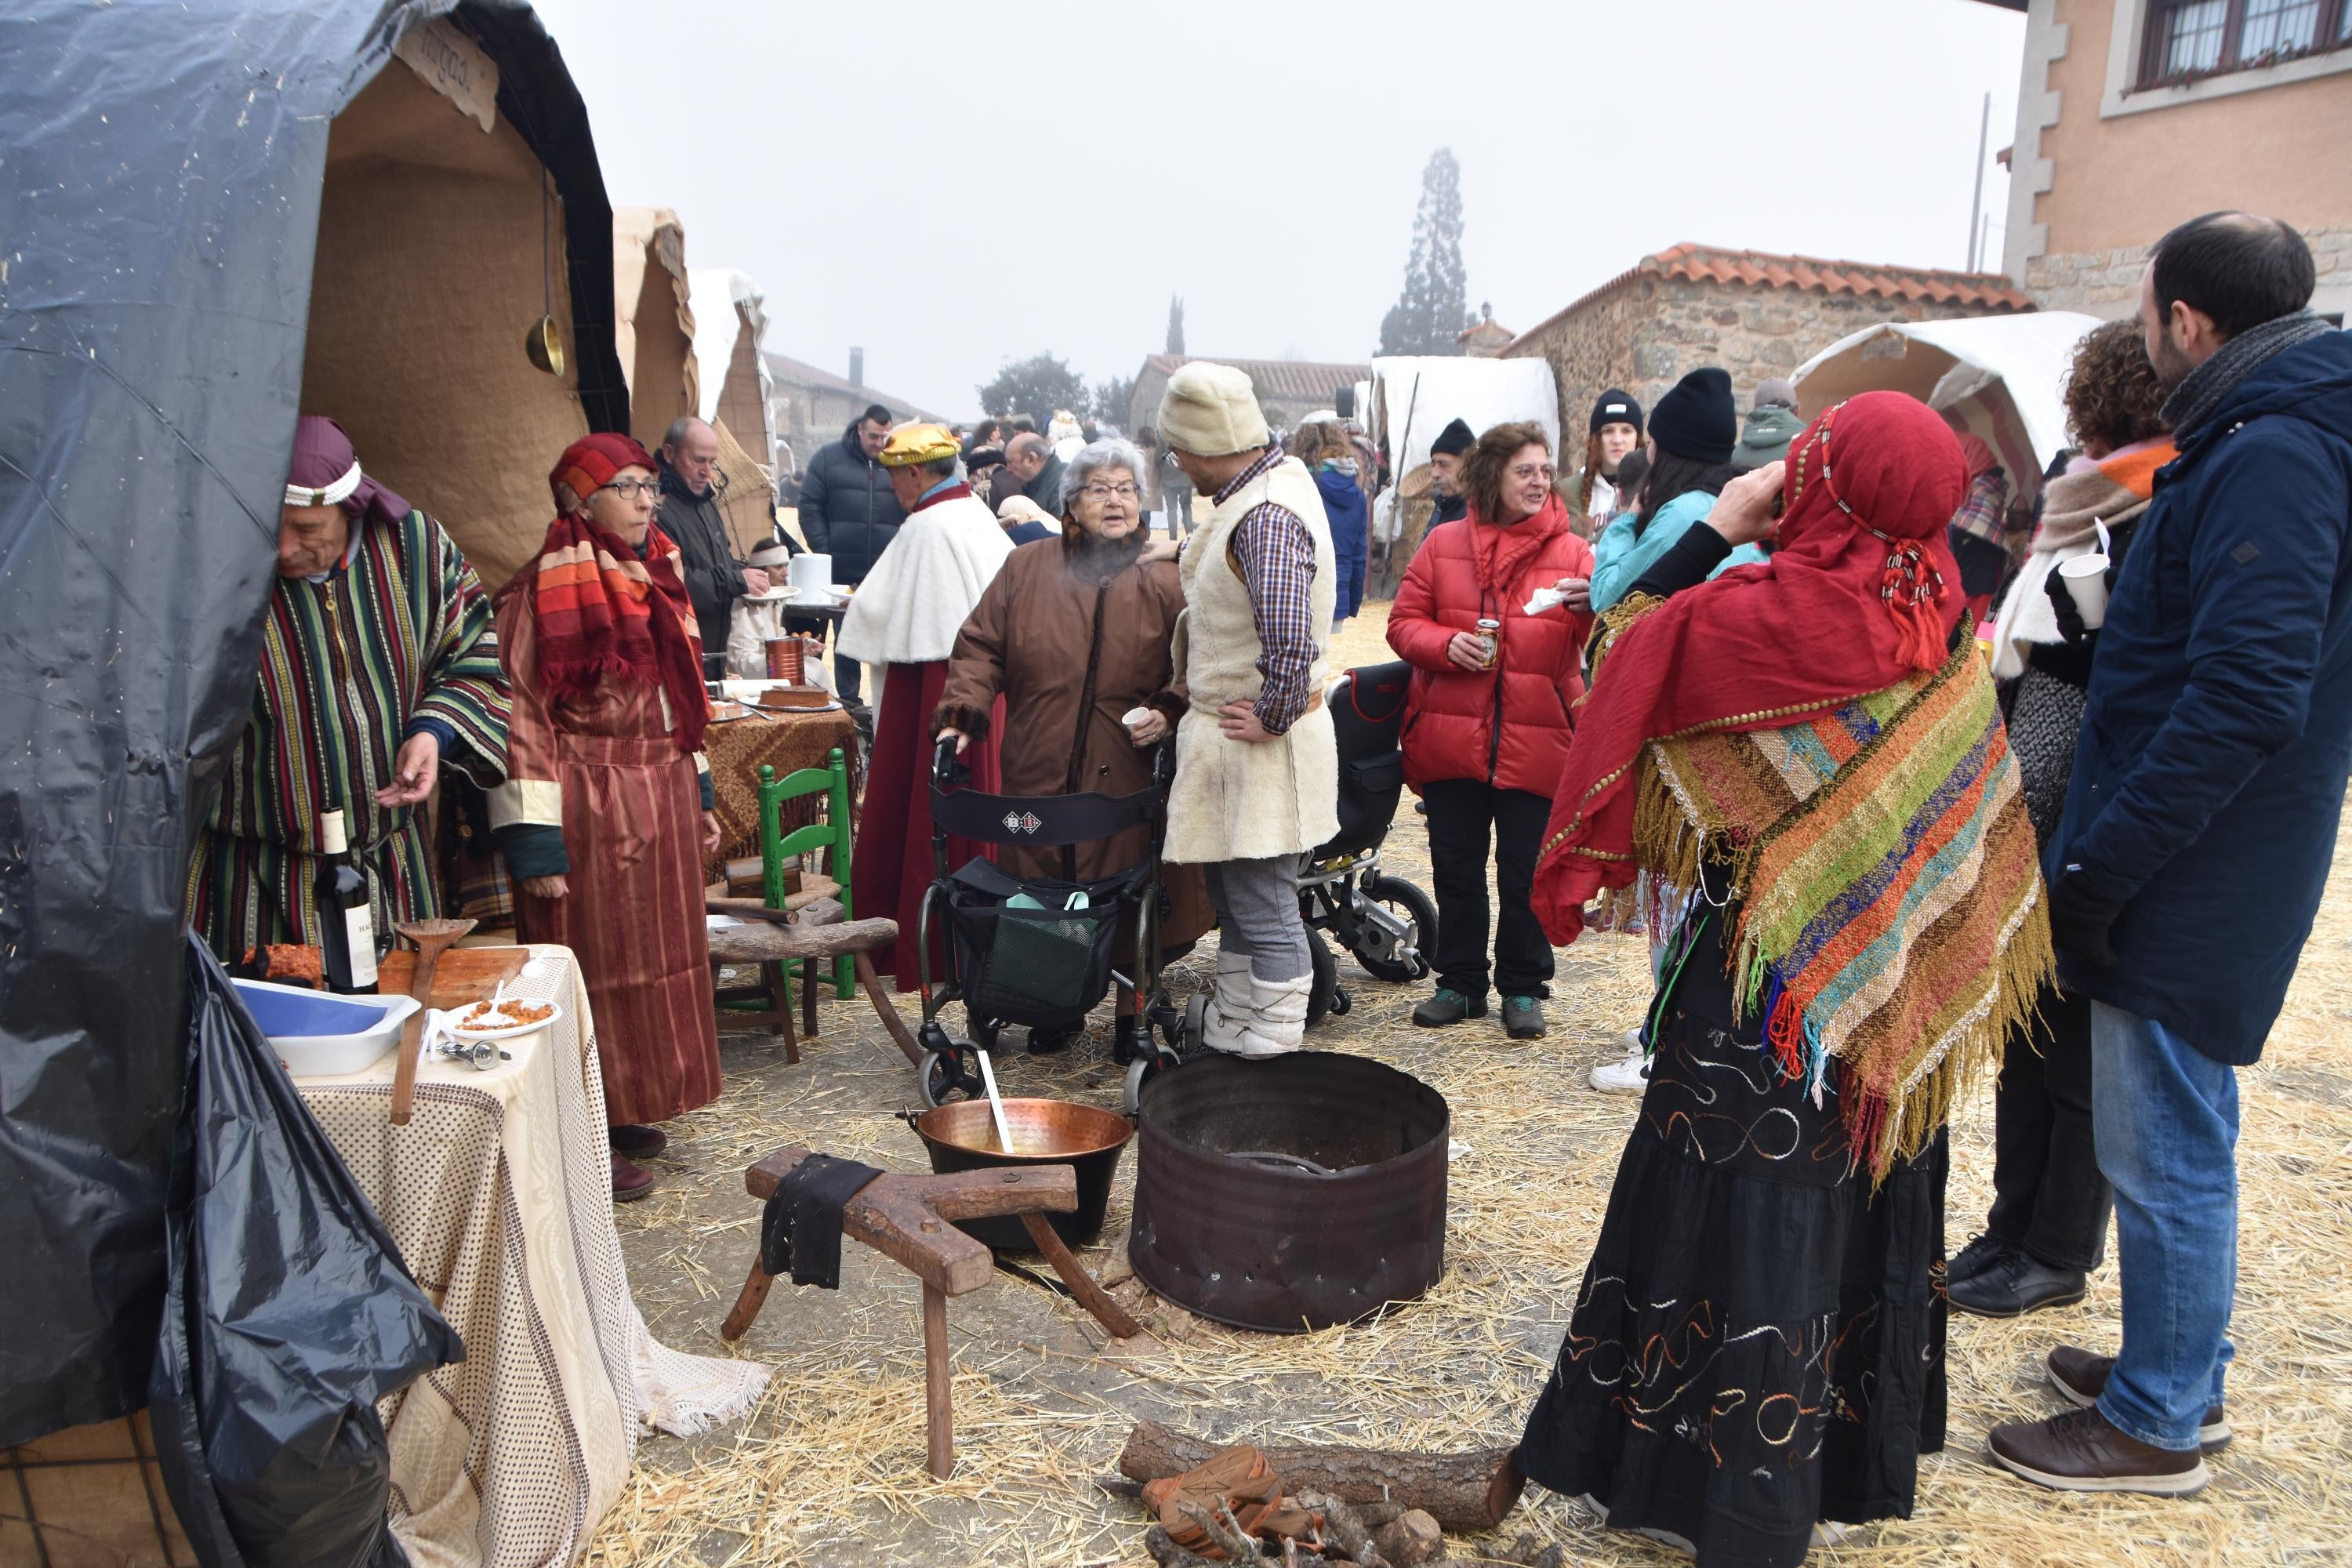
[[1387, 923], [1033, 951]]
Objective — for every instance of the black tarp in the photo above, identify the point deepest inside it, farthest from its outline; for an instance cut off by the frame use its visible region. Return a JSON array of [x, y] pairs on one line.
[[159, 177]]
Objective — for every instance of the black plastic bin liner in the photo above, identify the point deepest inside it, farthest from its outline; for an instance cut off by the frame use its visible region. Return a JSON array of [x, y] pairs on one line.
[[288, 1314]]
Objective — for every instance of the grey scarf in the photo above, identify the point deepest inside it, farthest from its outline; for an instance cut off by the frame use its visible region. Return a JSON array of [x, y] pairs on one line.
[[2195, 400]]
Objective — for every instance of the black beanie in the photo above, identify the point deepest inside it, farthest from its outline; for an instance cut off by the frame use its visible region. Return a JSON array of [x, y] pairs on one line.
[[1615, 407], [1698, 418], [1453, 441]]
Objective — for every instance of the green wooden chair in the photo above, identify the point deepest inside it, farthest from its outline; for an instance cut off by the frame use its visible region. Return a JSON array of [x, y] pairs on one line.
[[771, 1001]]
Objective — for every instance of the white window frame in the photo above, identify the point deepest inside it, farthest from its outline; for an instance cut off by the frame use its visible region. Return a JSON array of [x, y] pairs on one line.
[[2124, 94]]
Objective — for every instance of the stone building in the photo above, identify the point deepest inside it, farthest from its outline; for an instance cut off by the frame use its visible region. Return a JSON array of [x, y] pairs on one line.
[[1287, 389], [1755, 314], [2133, 115], [811, 406]]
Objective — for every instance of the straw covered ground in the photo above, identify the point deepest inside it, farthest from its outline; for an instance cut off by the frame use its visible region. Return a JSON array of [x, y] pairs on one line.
[[829, 1469]]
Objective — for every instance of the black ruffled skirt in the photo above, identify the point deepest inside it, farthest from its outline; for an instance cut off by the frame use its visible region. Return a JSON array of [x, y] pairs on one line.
[[1759, 1342]]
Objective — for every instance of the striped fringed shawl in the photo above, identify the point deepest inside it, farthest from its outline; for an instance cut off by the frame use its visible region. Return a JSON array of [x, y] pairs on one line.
[[1891, 911]]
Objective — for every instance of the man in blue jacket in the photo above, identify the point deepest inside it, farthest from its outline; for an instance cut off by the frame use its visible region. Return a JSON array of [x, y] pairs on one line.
[[2200, 823], [847, 512]]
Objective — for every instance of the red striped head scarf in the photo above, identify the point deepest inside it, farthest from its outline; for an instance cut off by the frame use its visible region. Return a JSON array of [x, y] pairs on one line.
[[601, 611], [1861, 591]]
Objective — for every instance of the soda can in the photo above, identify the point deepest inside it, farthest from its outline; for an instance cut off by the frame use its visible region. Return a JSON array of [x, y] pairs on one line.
[[1490, 634]]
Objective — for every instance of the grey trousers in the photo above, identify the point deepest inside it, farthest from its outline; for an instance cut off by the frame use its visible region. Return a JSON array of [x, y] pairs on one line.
[[1257, 913]]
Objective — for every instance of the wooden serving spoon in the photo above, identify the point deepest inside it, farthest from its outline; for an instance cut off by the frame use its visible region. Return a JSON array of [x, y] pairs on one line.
[[432, 939]]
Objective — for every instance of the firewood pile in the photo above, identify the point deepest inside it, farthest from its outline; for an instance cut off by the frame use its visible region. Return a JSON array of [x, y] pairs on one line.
[[1310, 1507]]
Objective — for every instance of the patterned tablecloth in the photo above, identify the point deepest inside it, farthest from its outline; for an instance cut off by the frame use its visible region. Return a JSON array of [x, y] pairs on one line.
[[499, 1193], [739, 747]]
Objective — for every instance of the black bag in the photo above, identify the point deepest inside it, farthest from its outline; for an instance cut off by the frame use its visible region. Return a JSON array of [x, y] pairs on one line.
[[288, 1314], [1046, 967]]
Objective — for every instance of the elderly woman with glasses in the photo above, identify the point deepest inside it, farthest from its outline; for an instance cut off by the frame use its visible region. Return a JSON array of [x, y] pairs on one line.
[[606, 807], [1074, 634]]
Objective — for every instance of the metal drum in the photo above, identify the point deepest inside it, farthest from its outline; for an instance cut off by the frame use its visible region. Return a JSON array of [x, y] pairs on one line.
[[1290, 1193]]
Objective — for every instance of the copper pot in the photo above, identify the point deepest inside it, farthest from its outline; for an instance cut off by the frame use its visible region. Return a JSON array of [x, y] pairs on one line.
[[962, 1136]]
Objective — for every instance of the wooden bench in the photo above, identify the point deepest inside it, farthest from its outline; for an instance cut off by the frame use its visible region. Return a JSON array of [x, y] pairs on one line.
[[911, 1220], [810, 935]]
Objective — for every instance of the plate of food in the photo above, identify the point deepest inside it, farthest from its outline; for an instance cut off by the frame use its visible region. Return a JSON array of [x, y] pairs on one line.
[[503, 1020]]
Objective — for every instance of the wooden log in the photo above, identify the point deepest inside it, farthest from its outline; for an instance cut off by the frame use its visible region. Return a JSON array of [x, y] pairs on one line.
[[1411, 1540], [761, 942], [1091, 1296], [1467, 1491], [908, 1218], [1355, 1538], [938, 1412]]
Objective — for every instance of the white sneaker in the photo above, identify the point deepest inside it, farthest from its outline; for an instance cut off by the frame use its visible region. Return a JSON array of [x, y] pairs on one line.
[[1630, 1076]]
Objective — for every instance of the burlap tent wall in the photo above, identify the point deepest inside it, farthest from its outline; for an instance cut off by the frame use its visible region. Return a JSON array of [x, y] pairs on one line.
[[729, 320], [428, 275], [653, 325]]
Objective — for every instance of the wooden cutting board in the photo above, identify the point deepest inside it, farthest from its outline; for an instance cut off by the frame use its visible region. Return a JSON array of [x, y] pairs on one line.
[[465, 974]]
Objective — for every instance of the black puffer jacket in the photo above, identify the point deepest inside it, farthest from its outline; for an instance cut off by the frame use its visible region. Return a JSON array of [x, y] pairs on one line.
[[847, 509]]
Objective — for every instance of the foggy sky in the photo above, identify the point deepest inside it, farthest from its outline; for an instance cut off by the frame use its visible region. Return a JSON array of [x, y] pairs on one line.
[[952, 187]]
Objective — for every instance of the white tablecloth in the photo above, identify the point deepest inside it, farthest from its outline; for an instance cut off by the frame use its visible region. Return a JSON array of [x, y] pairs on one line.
[[498, 1192]]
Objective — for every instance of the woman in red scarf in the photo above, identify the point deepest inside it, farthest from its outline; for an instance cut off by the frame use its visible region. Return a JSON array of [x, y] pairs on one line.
[[1807, 759], [1485, 737], [607, 804]]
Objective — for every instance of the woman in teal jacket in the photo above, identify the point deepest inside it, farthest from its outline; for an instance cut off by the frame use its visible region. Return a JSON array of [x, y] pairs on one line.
[[1692, 432]]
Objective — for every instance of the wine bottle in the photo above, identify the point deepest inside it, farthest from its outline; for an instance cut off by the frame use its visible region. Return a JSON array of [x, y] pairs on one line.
[[346, 922]]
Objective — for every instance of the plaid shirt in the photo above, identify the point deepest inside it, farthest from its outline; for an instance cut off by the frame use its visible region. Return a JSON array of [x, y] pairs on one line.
[[1278, 561], [1984, 513]]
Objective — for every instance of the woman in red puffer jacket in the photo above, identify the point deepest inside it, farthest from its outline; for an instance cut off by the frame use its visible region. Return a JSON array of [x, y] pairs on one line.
[[1484, 741]]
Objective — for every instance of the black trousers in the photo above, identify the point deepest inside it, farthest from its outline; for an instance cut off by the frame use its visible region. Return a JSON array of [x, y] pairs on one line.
[[2048, 1194], [1464, 816]]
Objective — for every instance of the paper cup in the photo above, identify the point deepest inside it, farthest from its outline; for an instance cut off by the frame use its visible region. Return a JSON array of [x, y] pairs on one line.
[[2086, 581], [1134, 716]]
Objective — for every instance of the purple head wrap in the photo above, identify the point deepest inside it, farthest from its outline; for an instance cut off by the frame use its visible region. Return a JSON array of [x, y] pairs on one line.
[[326, 472]]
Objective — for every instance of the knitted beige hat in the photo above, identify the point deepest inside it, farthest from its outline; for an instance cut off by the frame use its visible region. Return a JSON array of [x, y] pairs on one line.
[[1211, 411]]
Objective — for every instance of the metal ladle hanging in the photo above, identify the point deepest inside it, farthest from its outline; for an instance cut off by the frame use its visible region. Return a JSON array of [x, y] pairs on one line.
[[542, 343]]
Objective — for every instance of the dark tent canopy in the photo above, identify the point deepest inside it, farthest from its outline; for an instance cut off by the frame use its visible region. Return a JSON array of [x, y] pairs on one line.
[[216, 216]]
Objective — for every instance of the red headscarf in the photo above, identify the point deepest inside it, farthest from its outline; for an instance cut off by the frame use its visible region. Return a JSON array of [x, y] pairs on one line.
[[594, 600], [1861, 591], [1979, 456]]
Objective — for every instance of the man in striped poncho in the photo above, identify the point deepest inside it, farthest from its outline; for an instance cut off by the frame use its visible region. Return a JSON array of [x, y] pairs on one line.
[[379, 665]]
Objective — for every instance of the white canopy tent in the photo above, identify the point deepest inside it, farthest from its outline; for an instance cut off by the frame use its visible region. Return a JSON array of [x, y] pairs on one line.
[[1999, 377], [1412, 398], [732, 391]]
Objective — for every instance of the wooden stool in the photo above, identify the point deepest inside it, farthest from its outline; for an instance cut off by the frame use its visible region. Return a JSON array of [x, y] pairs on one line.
[[810, 935], [911, 1219]]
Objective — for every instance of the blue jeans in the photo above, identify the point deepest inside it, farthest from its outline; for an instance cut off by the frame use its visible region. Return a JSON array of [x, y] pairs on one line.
[[2165, 1117]]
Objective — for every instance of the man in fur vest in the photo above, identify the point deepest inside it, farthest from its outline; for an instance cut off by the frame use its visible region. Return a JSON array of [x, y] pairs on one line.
[[1257, 766]]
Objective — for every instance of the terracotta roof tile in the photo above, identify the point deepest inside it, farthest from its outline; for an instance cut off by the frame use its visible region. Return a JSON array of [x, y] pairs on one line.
[[1766, 269], [1309, 380]]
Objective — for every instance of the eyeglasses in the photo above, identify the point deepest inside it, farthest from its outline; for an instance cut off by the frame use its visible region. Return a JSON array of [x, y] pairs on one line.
[[1103, 492], [628, 490], [1533, 470]]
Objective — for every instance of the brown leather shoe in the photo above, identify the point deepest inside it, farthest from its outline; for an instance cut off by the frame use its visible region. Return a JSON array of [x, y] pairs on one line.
[[629, 1182], [2083, 1377], [636, 1142], [2082, 1451]]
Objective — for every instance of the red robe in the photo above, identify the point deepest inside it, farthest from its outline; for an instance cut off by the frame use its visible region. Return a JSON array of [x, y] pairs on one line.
[[892, 861]]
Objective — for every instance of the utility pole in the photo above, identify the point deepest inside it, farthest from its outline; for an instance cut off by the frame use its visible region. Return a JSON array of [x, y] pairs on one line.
[[1975, 201]]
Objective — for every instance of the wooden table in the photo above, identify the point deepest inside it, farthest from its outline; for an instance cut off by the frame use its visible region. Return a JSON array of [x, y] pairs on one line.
[[498, 1193]]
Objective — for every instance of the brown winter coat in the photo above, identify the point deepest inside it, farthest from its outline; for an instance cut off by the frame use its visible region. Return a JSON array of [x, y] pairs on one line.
[[1072, 632]]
